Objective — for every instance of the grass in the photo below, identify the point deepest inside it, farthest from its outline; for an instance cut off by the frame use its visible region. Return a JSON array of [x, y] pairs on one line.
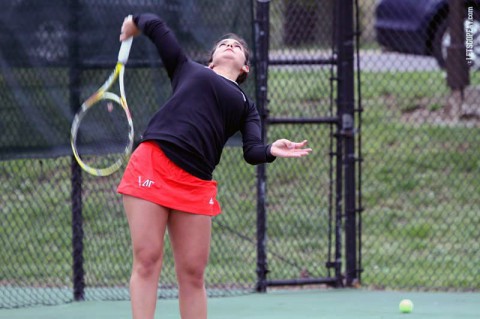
[[420, 177], [419, 190]]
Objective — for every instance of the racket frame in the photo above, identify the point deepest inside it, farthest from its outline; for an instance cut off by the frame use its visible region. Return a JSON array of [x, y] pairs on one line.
[[103, 94]]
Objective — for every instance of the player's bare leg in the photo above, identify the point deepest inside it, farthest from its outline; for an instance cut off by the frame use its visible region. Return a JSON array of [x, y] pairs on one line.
[[190, 238], [147, 222]]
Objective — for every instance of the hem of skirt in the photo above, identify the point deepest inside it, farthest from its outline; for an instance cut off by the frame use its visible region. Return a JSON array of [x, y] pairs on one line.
[[176, 206]]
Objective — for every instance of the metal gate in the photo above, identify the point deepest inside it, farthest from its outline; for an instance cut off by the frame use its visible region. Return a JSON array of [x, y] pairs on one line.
[[319, 202]]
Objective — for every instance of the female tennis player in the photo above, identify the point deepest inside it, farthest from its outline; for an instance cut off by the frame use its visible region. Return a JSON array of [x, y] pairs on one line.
[[167, 184]]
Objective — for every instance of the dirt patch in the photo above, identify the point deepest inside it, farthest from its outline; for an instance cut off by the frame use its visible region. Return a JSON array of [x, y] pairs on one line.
[[460, 108]]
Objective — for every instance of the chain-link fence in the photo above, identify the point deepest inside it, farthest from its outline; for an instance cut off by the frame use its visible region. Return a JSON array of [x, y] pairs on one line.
[[54, 55], [417, 186], [421, 144], [64, 232]]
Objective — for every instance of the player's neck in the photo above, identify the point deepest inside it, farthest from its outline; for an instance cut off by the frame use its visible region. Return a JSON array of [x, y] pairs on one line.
[[227, 73]]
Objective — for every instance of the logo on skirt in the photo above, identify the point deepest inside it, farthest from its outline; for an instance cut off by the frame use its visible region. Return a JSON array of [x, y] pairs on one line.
[[145, 183]]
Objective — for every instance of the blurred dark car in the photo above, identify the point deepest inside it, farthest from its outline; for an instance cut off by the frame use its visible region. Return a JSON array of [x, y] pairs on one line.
[[421, 27]]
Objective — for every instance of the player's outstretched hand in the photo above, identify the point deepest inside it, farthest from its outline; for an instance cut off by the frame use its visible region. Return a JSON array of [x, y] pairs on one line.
[[286, 148]]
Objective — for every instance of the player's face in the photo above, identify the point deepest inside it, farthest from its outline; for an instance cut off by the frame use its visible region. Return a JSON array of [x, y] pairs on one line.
[[229, 50]]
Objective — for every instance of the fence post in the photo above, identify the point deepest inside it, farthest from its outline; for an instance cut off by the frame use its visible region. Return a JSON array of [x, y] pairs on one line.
[[261, 35], [76, 171], [346, 109], [456, 63]]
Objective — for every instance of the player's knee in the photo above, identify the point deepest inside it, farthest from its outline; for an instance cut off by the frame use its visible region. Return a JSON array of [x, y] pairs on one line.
[[147, 262], [192, 275]]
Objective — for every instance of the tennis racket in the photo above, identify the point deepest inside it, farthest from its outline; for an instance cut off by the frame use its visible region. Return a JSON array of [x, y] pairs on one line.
[[102, 130]]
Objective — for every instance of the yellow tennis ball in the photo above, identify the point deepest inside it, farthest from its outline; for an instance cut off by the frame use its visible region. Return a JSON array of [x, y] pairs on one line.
[[405, 306]]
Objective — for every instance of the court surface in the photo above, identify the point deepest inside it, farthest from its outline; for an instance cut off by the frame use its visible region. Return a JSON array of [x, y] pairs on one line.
[[284, 304]]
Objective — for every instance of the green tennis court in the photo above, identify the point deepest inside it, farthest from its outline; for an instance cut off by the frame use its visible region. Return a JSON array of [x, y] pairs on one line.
[[298, 304]]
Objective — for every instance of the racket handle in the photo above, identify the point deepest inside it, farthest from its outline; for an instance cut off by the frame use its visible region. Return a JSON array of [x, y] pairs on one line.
[[125, 50]]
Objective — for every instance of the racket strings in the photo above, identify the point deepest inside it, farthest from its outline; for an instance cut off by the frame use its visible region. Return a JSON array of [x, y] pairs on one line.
[[103, 134]]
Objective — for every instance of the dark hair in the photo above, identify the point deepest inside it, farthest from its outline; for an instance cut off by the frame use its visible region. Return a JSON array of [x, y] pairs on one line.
[[242, 77]]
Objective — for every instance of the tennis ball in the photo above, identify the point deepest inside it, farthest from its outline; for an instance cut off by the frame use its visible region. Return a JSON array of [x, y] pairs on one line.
[[405, 306]]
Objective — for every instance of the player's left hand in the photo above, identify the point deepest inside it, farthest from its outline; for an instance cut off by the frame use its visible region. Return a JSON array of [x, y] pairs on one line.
[[286, 148]]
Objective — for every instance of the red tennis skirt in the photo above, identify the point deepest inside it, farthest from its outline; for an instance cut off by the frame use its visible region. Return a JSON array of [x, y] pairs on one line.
[[150, 175]]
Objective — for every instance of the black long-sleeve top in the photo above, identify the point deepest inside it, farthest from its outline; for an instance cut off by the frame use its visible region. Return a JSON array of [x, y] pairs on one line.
[[204, 110]]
